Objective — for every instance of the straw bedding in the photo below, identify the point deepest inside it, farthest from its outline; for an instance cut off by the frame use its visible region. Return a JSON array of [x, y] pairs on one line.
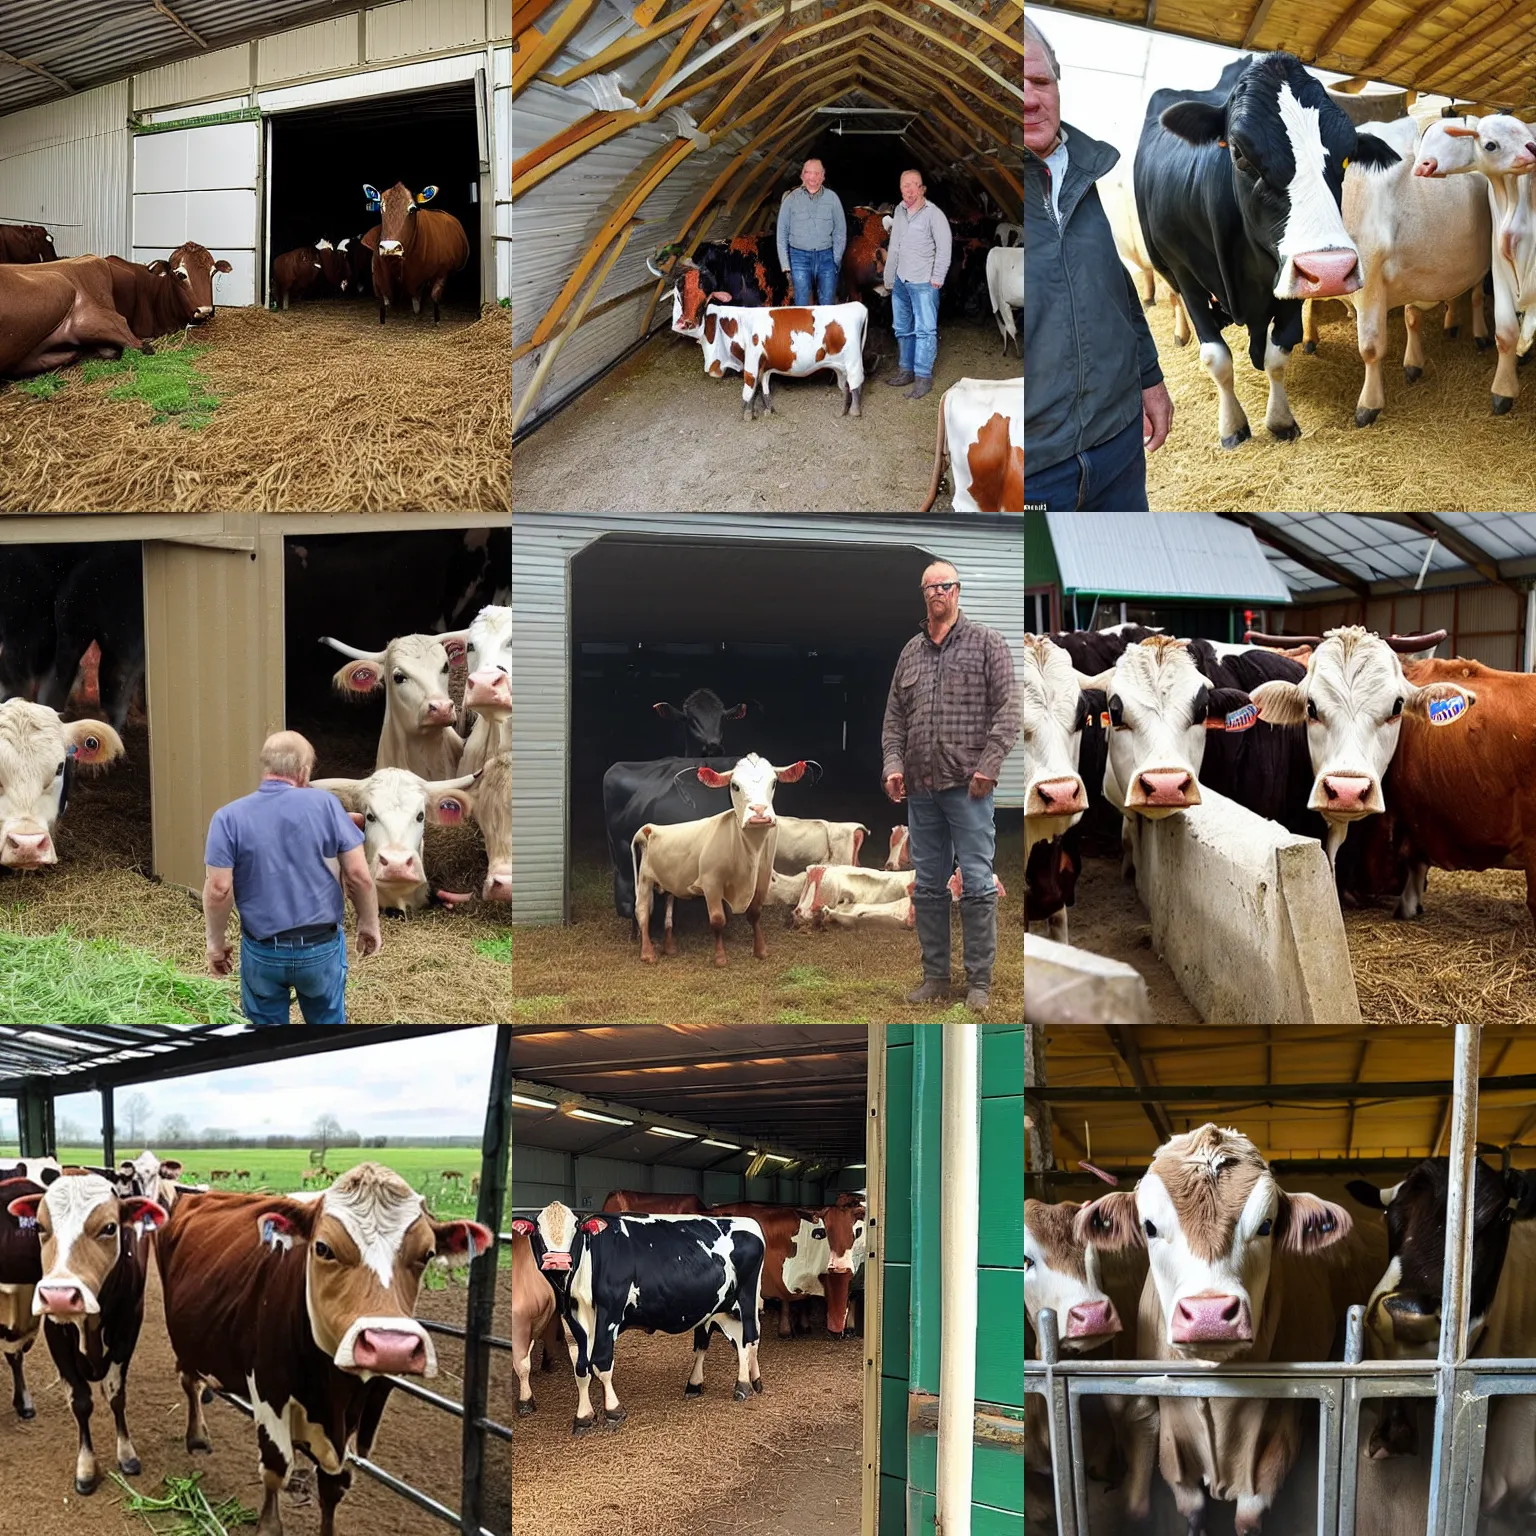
[[1436, 446], [320, 409]]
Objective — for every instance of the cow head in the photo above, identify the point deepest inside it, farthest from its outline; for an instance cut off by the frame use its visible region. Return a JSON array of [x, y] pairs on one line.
[[334, 266], [1289, 145], [1210, 1215], [191, 267], [1353, 699], [557, 1239], [1496, 145], [395, 208], [365, 1244], [44, 244], [704, 715], [841, 1227], [1056, 712], [488, 660], [1160, 708], [413, 671], [1063, 1273], [38, 753], [900, 856], [752, 783], [81, 1222]]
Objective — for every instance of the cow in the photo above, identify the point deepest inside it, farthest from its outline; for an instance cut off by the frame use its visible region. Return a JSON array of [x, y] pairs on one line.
[[418, 711], [90, 1296], [418, 248], [101, 600], [727, 859], [533, 1318], [865, 250], [840, 885], [666, 1274], [335, 269], [1118, 197], [298, 272], [1234, 1274], [744, 271], [703, 715], [21, 1267], [39, 754], [869, 914], [305, 1306], [1239, 190], [981, 441], [795, 341], [807, 1252], [391, 808], [488, 686], [804, 841], [1005, 289], [654, 1205], [492, 806], [26, 243], [359, 253], [58, 312], [785, 890], [900, 856], [168, 295]]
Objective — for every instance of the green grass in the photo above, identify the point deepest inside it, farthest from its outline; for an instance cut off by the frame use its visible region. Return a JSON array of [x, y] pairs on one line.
[[56, 978], [167, 382], [184, 1509], [544, 1005], [44, 387], [499, 948]]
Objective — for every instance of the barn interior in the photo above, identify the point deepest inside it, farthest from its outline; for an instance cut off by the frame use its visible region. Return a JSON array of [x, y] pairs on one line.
[[774, 1114], [1324, 1106], [323, 156]]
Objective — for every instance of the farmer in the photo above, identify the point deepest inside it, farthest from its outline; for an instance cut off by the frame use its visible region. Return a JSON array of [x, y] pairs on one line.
[[811, 235], [277, 854], [951, 718], [916, 260]]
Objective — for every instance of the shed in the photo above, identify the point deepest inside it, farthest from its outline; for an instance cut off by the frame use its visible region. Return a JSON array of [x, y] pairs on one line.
[[231, 121], [612, 584]]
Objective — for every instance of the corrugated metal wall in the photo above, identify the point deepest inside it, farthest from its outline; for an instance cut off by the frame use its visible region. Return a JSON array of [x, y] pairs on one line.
[[1484, 623], [414, 27], [540, 1175], [321, 49], [224, 73], [501, 173], [989, 557]]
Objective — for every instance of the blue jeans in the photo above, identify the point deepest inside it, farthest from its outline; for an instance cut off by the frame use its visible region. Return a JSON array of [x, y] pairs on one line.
[[915, 315], [317, 972], [943, 825], [813, 272], [1109, 478]]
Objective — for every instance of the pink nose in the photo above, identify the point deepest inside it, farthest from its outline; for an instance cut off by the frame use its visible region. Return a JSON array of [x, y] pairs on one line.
[[61, 1300], [1091, 1319], [1346, 791], [439, 711], [1212, 1320], [498, 887], [398, 866], [380, 1349], [1060, 797], [1326, 274], [27, 848], [487, 687], [1165, 786]]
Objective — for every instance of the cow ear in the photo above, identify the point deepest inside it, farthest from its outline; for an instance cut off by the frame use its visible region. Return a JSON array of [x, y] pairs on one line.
[[222, 266], [24, 1209], [447, 810], [1230, 709], [357, 819], [159, 268], [714, 779], [739, 713], [1438, 703], [371, 193], [92, 743], [149, 1214], [1280, 702], [1367, 1194], [454, 644], [1196, 122], [593, 1225], [1305, 1224], [462, 1242], [426, 194], [1373, 153], [1110, 1222], [522, 1227], [359, 677], [280, 1229], [668, 711], [790, 775]]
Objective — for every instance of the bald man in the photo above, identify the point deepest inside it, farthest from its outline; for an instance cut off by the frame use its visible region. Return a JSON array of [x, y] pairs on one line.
[[811, 236], [282, 855]]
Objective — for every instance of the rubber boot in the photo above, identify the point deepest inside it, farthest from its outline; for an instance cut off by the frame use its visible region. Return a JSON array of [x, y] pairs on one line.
[[978, 929], [920, 387], [901, 377], [931, 918]]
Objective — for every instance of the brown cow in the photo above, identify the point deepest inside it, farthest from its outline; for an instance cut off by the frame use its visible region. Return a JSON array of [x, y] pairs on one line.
[[26, 243], [809, 1253], [166, 295], [533, 1316], [295, 273], [58, 312], [654, 1205], [417, 248], [864, 255], [305, 1307], [21, 1267]]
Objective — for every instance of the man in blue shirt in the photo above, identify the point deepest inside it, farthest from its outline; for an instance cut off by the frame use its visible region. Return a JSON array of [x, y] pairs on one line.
[[811, 235], [282, 855]]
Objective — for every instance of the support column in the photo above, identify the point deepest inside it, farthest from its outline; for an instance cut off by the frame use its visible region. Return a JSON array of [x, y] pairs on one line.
[[34, 1122], [1037, 1134], [108, 1130]]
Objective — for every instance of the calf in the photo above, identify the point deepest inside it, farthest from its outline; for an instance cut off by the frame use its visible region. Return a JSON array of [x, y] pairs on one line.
[[488, 686], [359, 253], [58, 312], [95, 1255], [807, 1253], [666, 1274], [804, 841], [25, 243], [1005, 289], [305, 1307], [166, 295], [533, 1317], [864, 254], [981, 443], [418, 248], [744, 271], [38, 756], [296, 273], [837, 885], [654, 1205], [868, 914], [726, 859]]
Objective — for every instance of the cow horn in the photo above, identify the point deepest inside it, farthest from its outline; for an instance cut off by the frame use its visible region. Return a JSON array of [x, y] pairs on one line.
[[1405, 644], [653, 269], [1257, 637], [351, 650]]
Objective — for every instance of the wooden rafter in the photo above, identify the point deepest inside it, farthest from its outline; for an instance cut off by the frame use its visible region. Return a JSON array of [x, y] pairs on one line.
[[36, 69], [1491, 83], [1424, 65], [970, 18], [633, 42], [176, 21], [1330, 39], [674, 61], [1395, 40], [532, 50]]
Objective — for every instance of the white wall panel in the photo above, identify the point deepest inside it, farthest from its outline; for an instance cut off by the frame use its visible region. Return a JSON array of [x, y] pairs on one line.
[[219, 156], [374, 82], [305, 51], [219, 220], [424, 26], [501, 166], [212, 74]]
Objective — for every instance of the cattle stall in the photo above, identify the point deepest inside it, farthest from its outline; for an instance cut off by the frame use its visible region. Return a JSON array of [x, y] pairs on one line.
[[230, 611], [800, 1115], [439, 1464], [1414, 1380]]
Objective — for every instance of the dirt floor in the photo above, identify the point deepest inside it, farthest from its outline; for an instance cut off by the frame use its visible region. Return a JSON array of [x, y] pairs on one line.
[[591, 970], [416, 1442], [787, 1463], [429, 970], [1436, 446], [322, 410], [672, 423]]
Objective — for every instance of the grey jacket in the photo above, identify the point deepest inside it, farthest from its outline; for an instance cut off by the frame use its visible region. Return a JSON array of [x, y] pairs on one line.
[[919, 247], [1089, 349], [812, 224]]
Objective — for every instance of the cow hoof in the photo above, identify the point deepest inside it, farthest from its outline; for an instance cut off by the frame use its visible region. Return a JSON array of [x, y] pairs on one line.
[[757, 1386], [524, 1409], [1413, 375], [130, 1468], [580, 1427], [198, 1445], [1453, 331], [1180, 341], [1286, 434], [693, 1391], [1483, 343], [1366, 414], [648, 959], [1503, 404], [855, 409], [1239, 437], [615, 1418], [147, 350], [740, 1392], [207, 1396], [26, 1411], [1309, 348], [86, 1489]]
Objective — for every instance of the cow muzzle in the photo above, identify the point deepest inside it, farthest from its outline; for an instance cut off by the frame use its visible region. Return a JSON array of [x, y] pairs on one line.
[[437, 712], [1212, 1319], [1056, 797], [64, 1298], [392, 1346], [398, 866], [1092, 1320], [1163, 789], [1319, 275], [202, 314], [488, 691], [391, 248], [1346, 796], [27, 850], [1415, 1318], [498, 886]]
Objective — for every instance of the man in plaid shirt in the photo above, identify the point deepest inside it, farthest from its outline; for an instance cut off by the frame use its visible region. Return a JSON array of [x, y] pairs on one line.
[[952, 716]]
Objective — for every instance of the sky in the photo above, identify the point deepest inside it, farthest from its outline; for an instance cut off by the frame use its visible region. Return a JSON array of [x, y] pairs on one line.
[[434, 1085]]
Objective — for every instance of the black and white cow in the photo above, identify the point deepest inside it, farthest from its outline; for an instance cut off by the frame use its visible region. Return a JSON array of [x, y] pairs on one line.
[[1239, 191], [665, 1274]]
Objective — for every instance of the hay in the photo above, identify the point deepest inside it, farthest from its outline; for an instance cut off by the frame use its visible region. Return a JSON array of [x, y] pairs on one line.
[[1436, 446], [321, 410]]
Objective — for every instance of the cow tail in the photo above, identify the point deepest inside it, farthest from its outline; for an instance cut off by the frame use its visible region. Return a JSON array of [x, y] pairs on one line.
[[634, 864], [938, 460]]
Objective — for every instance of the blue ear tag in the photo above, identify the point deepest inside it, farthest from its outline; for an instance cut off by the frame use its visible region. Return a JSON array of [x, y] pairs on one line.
[[72, 750], [1243, 719], [1443, 711]]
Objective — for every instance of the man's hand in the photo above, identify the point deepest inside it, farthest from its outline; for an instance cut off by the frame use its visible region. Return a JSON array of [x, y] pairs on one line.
[[369, 940], [1156, 416], [220, 961], [896, 787], [883, 291], [981, 786]]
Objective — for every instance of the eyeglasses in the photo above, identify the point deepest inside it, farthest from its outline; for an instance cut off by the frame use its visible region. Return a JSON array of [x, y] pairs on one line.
[[940, 586]]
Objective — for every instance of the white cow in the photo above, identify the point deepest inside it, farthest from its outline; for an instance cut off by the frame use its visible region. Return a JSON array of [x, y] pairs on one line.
[[805, 840], [834, 885], [492, 805], [488, 686], [1005, 288], [418, 709], [1118, 197], [981, 437], [900, 856], [869, 914], [38, 754]]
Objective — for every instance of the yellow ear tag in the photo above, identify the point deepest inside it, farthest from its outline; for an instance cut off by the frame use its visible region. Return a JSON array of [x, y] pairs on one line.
[[1346, 162]]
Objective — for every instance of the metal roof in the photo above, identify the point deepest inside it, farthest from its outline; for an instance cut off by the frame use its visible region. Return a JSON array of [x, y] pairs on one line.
[[1166, 554]]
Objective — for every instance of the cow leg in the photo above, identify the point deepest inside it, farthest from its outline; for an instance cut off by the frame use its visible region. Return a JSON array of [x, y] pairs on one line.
[[1190, 1499], [117, 1396], [1413, 353], [1450, 321], [86, 1474], [333, 1489], [695, 1387], [786, 1319], [746, 1355], [197, 1426], [1309, 326], [1479, 319], [437, 294], [613, 1414], [276, 1462], [717, 922], [1371, 335], [1056, 926], [1506, 330], [1233, 423], [755, 917], [1277, 415], [585, 1419], [1181, 329], [668, 943], [522, 1365], [21, 1399], [643, 898], [1410, 905]]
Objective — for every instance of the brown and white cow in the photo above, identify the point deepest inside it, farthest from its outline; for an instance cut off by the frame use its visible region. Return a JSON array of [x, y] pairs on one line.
[[57, 312], [21, 1267], [296, 273], [726, 859], [418, 248], [864, 255], [981, 441], [304, 1307], [807, 1253], [654, 1205], [1233, 1274], [166, 295], [807, 840], [900, 856], [488, 685], [38, 755], [533, 1319], [95, 1255], [413, 671]]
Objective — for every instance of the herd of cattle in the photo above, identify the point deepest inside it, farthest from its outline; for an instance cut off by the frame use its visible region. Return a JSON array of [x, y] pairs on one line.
[[1261, 194], [1139, 723], [300, 1303], [1208, 1259], [670, 1264]]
